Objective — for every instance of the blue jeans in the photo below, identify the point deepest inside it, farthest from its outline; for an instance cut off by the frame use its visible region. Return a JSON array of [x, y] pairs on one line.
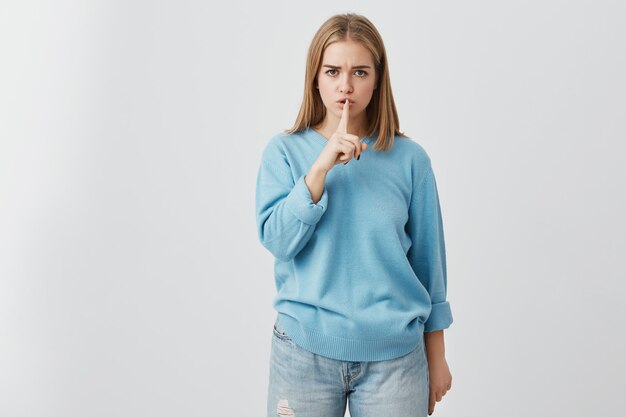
[[304, 384]]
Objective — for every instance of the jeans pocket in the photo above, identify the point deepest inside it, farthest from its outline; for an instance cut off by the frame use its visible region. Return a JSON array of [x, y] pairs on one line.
[[279, 332]]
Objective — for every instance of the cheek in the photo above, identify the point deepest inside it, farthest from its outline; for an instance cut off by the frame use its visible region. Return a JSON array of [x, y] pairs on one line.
[[325, 91], [367, 93]]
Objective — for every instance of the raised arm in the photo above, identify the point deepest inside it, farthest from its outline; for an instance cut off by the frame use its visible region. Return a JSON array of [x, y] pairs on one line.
[[286, 214]]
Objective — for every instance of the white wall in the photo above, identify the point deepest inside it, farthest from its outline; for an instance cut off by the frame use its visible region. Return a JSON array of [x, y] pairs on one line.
[[132, 282]]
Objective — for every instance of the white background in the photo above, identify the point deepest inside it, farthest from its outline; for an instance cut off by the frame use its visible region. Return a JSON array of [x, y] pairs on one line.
[[132, 281]]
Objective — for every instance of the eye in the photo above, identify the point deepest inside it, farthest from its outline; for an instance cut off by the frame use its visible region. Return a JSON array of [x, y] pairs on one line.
[[358, 73]]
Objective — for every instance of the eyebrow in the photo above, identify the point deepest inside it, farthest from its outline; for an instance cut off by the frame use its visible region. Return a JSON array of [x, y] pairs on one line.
[[355, 67]]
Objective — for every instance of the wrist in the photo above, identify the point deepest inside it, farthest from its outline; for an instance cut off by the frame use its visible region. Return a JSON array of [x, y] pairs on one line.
[[317, 170]]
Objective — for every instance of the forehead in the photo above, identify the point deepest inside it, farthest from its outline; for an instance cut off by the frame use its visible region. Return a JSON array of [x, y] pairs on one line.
[[347, 54]]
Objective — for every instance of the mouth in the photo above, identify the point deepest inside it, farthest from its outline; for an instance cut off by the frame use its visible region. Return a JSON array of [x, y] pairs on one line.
[[343, 100]]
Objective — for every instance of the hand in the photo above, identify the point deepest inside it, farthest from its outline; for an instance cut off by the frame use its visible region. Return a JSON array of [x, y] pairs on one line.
[[440, 380], [342, 146]]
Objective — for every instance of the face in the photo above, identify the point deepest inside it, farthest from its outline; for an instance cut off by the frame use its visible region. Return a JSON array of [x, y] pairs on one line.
[[347, 70]]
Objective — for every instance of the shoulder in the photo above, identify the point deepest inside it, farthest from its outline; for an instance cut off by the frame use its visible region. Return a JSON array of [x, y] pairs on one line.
[[414, 158], [412, 150], [277, 144], [278, 139]]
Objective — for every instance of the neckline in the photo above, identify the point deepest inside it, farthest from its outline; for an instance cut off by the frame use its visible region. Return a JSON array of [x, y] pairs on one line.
[[321, 138]]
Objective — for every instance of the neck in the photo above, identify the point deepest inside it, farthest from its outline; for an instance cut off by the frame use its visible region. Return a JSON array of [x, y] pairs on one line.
[[328, 126]]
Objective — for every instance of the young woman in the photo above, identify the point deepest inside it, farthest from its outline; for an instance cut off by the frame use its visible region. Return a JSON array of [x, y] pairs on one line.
[[348, 205]]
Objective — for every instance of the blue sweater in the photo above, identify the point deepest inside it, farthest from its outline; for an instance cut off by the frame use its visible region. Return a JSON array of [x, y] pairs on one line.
[[361, 274]]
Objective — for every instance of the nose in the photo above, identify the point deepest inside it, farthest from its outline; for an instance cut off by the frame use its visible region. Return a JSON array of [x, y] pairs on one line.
[[344, 85]]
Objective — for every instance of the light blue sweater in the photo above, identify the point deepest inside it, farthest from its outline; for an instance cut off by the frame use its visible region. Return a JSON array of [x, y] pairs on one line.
[[361, 275]]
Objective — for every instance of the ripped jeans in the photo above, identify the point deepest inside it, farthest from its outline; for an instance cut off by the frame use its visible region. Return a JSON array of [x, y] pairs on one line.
[[304, 384]]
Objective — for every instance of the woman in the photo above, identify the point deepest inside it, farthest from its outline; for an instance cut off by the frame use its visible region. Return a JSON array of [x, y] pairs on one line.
[[349, 207]]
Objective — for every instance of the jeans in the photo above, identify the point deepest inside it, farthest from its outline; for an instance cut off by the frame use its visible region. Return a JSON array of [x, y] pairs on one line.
[[304, 384]]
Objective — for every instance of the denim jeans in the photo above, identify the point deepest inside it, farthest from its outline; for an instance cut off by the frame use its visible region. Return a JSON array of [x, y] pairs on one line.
[[304, 384]]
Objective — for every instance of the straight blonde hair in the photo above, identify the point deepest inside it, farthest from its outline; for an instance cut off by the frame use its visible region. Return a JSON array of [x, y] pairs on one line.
[[382, 117]]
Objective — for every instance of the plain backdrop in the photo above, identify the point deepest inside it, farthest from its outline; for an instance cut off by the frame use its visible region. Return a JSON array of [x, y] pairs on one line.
[[132, 280]]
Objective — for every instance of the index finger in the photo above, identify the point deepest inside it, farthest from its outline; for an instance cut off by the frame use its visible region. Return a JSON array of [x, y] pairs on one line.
[[431, 404], [343, 122]]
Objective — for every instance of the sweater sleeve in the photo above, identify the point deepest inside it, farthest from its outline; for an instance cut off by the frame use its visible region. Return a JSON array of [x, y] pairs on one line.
[[285, 213], [427, 254]]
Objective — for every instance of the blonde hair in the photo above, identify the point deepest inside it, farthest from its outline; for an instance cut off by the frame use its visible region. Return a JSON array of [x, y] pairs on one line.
[[382, 117]]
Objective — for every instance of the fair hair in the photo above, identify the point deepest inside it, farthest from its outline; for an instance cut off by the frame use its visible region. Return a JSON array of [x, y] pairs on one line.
[[382, 117]]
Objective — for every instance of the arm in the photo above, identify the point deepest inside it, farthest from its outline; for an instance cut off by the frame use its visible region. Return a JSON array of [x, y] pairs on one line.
[[285, 212], [315, 180], [435, 345], [440, 378], [427, 254]]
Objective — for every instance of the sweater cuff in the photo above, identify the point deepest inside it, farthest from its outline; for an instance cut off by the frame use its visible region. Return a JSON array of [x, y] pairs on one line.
[[440, 317], [300, 203]]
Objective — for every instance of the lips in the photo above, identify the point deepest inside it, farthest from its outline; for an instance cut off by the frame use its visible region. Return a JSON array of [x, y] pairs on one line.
[[344, 99]]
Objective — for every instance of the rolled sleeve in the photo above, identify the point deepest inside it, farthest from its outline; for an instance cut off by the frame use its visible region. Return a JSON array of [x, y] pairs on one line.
[[301, 204], [440, 317]]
